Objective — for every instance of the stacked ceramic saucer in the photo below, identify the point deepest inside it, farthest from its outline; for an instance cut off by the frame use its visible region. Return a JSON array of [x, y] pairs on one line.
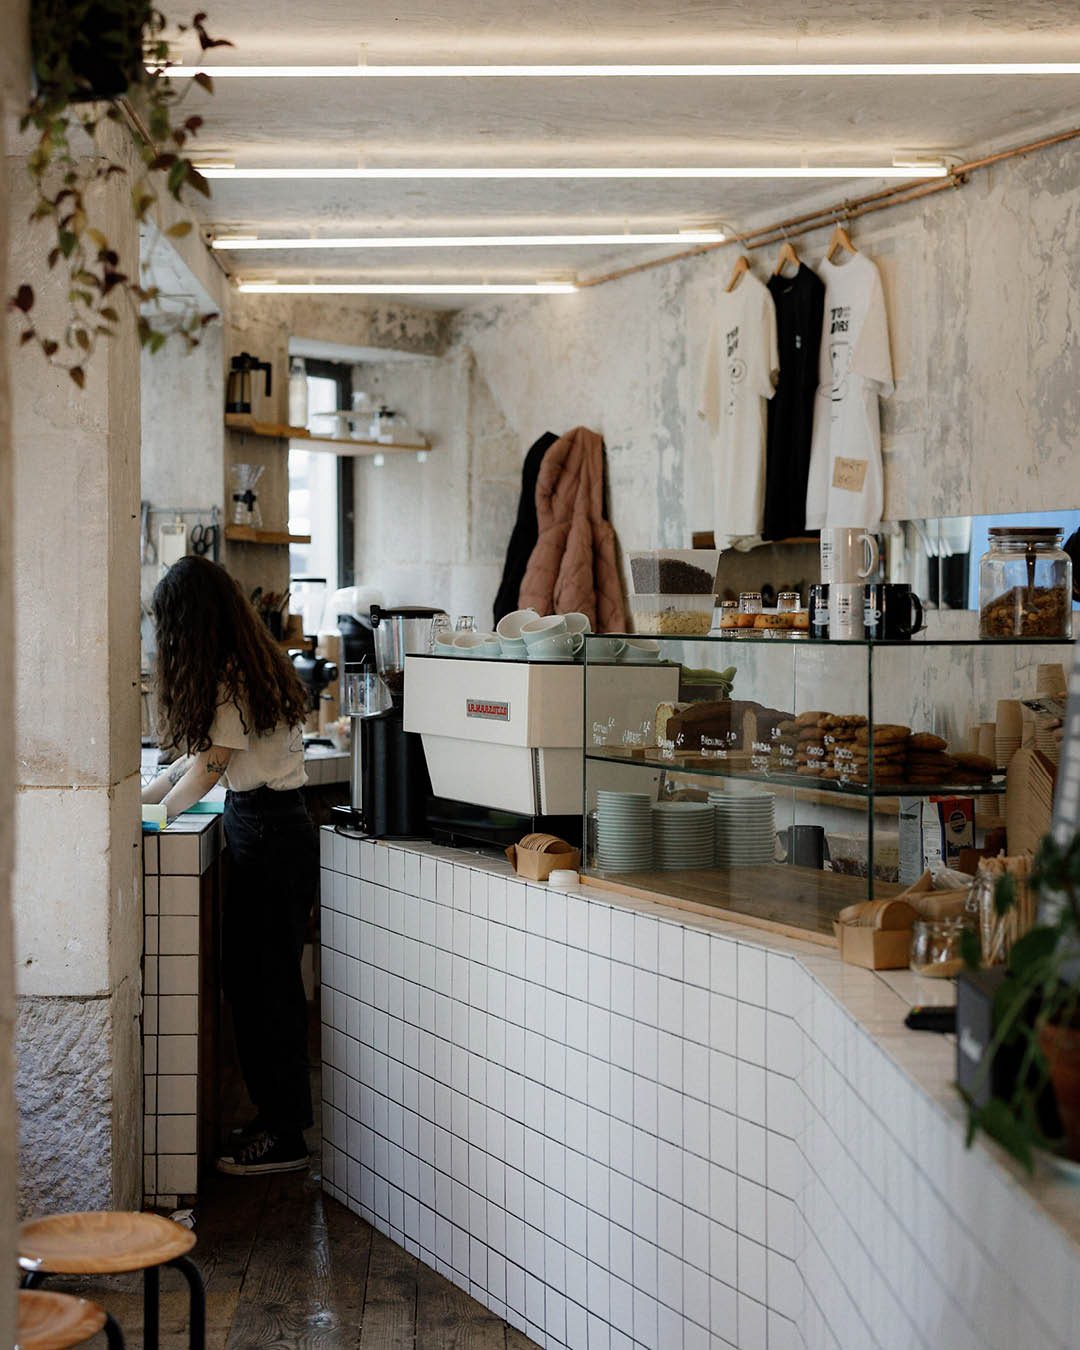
[[623, 831], [745, 827], [682, 835]]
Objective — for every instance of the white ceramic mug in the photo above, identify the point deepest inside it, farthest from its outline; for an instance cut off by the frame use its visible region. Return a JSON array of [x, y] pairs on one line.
[[577, 623], [847, 609], [557, 647], [513, 649], [509, 626], [444, 644], [639, 650], [847, 554], [606, 648], [470, 644], [536, 630]]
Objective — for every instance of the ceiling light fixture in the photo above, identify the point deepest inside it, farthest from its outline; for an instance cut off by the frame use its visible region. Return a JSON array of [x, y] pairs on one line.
[[623, 71], [236, 241], [405, 288], [668, 171]]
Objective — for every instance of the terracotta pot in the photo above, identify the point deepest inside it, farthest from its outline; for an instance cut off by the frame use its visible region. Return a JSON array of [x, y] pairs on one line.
[[1061, 1046]]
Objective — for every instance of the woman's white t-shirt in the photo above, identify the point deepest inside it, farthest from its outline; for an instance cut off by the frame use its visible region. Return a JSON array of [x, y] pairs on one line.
[[273, 759]]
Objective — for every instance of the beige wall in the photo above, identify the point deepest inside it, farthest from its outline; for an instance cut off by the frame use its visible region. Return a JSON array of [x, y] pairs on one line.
[[13, 79]]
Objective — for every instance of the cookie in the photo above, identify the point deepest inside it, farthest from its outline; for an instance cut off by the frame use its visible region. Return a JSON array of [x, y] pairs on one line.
[[885, 733], [811, 733], [786, 728], [971, 762], [894, 751], [809, 719], [923, 740], [835, 721], [931, 761]]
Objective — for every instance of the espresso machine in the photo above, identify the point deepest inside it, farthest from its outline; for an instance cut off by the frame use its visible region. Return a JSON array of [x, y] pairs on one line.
[[389, 783]]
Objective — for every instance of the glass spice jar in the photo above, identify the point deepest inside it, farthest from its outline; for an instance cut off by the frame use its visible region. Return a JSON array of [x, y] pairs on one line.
[[1025, 584]]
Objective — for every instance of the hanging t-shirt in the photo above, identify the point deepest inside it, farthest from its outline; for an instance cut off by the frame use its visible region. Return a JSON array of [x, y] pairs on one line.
[[800, 302], [740, 370], [846, 485]]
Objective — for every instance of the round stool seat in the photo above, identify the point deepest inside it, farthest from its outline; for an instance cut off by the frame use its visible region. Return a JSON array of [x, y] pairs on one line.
[[54, 1321], [102, 1242]]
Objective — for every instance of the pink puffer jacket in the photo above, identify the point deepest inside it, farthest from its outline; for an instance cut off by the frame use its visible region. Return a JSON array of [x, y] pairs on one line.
[[573, 565]]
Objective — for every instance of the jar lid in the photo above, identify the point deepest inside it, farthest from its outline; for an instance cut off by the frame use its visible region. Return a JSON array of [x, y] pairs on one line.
[[1037, 534]]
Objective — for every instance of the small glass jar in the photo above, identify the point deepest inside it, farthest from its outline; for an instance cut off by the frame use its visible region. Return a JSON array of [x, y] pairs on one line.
[[726, 616], [749, 609], [787, 602], [1025, 584], [935, 947]]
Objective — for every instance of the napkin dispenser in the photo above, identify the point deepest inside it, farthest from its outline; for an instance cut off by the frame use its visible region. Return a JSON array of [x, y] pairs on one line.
[[876, 934]]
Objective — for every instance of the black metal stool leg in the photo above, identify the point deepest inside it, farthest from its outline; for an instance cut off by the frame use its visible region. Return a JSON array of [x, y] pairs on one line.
[[113, 1335], [151, 1301], [197, 1291]]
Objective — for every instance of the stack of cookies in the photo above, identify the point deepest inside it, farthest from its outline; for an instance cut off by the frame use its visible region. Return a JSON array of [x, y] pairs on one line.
[[839, 731], [785, 746], [810, 743], [889, 758], [972, 767], [928, 760]]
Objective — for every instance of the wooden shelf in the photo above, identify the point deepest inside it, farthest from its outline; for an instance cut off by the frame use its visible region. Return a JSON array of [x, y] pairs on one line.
[[276, 431], [244, 534], [349, 445]]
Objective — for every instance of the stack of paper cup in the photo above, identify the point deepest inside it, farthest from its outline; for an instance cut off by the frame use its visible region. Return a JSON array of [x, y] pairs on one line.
[[1009, 731], [987, 737], [1050, 679]]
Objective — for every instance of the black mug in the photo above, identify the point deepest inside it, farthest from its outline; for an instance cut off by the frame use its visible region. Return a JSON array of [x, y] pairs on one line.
[[819, 610], [805, 846], [893, 611]]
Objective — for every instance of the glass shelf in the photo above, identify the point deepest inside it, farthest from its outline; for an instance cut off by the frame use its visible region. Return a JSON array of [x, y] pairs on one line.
[[778, 636], [803, 782]]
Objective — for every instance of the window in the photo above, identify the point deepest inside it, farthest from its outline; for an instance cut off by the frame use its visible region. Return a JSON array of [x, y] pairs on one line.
[[321, 486]]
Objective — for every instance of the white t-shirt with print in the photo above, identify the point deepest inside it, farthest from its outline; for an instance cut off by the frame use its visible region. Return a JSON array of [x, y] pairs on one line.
[[741, 364], [273, 759], [846, 484]]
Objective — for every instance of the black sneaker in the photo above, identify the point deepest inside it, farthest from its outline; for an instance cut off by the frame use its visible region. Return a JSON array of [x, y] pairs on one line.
[[266, 1152]]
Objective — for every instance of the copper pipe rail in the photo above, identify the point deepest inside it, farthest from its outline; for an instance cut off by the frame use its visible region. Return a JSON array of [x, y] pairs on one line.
[[850, 209]]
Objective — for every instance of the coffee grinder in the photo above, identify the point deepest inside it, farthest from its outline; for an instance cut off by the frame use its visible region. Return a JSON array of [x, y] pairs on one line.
[[389, 783]]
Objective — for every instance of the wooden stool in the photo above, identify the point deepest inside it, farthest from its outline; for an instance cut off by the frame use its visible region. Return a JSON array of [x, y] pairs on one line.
[[111, 1242], [55, 1321]]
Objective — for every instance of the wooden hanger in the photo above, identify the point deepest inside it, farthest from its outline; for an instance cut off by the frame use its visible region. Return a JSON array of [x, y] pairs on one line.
[[786, 255], [742, 264], [840, 239]]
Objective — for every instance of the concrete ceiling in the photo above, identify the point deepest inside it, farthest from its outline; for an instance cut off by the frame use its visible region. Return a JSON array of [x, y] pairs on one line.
[[563, 122]]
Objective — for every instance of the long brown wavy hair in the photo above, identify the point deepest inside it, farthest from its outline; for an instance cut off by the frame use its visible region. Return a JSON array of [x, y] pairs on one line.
[[212, 646]]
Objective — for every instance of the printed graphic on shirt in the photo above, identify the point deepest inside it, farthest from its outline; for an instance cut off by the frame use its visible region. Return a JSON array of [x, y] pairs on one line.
[[736, 369], [839, 349]]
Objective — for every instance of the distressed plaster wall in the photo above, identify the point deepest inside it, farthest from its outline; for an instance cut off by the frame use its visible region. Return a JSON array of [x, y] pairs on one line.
[[78, 929], [983, 293], [14, 67]]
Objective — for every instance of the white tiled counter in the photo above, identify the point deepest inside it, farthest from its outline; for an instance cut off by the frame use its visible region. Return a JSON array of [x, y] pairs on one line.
[[623, 1127], [178, 886]]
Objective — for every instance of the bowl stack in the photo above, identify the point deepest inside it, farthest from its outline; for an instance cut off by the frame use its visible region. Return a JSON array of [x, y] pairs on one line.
[[744, 828], [623, 831], [682, 835]]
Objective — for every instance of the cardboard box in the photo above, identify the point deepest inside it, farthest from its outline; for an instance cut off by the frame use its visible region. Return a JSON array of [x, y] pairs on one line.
[[874, 948], [538, 855]]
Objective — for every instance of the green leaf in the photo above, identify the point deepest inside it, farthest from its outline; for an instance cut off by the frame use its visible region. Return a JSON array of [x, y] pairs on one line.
[[78, 375], [24, 298], [157, 341], [82, 337], [1032, 949], [179, 230], [1000, 1124], [109, 314], [177, 174], [67, 242], [204, 81], [197, 181], [970, 948], [1004, 894], [49, 347]]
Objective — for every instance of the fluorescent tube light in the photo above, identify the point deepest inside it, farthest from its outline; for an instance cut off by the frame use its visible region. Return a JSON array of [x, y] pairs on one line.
[[782, 171], [230, 242], [622, 71], [405, 288]]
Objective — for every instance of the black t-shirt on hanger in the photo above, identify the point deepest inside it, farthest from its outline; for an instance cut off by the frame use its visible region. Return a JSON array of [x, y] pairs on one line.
[[800, 313]]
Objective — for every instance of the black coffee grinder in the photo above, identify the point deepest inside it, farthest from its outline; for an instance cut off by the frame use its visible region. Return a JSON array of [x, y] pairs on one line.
[[389, 783]]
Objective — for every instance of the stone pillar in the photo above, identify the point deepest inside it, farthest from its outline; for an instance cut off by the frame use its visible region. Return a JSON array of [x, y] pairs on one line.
[[76, 889]]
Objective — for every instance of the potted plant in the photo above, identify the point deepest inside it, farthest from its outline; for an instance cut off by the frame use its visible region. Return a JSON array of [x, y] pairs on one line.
[[99, 61], [1037, 1016]]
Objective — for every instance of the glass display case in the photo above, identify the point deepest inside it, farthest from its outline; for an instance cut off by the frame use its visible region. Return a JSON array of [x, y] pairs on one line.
[[786, 779]]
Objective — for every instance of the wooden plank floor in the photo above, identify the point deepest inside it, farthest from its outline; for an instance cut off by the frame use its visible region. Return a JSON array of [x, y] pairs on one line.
[[287, 1268]]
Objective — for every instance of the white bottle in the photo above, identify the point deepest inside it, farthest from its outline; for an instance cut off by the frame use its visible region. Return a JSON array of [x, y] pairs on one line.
[[298, 400]]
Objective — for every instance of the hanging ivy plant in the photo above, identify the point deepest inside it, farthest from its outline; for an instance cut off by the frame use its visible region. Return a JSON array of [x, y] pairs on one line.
[[99, 61]]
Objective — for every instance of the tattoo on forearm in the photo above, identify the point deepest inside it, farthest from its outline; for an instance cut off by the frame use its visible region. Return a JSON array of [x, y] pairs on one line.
[[216, 763], [177, 771]]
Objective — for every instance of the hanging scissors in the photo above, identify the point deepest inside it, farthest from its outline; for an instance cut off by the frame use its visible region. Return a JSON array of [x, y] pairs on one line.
[[203, 538]]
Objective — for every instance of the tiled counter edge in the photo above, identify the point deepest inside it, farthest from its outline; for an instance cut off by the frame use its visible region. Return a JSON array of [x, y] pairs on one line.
[[620, 1126]]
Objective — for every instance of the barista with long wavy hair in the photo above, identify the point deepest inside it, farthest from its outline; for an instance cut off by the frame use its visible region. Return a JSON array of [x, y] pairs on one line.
[[230, 702]]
